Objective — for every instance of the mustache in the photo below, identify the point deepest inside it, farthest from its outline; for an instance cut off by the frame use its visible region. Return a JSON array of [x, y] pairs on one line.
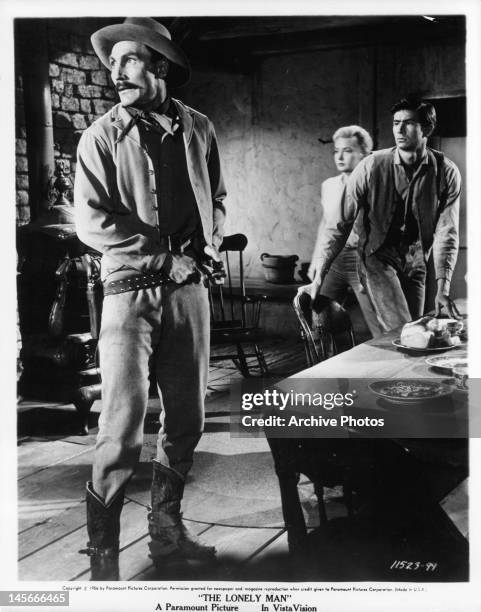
[[124, 85]]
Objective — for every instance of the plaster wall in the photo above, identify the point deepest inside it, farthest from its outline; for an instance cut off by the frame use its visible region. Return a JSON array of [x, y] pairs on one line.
[[268, 124], [437, 70]]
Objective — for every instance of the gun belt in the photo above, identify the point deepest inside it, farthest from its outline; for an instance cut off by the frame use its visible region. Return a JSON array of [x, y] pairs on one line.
[[144, 281]]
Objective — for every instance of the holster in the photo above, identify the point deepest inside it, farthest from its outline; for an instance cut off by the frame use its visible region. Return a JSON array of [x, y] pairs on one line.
[[213, 271], [94, 293]]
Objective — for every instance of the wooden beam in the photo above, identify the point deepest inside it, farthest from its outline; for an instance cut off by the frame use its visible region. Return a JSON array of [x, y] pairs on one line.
[[242, 27], [242, 54]]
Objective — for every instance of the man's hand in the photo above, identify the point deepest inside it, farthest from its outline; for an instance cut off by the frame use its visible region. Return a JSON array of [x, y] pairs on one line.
[[213, 268], [442, 300], [181, 268], [312, 289], [212, 253]]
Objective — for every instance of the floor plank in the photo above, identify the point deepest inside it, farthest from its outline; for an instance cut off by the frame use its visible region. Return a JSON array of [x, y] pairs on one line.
[[52, 529], [60, 559], [33, 457], [234, 547], [218, 403], [221, 370], [53, 490], [278, 545], [271, 563]]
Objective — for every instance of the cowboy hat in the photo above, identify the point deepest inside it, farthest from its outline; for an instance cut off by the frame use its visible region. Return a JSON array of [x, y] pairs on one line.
[[149, 32]]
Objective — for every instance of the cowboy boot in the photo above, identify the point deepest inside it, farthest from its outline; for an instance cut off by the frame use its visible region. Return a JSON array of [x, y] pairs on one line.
[[103, 526], [170, 537]]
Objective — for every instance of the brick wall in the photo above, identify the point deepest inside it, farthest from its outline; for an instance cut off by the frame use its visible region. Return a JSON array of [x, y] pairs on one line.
[[21, 163], [80, 92], [80, 89]]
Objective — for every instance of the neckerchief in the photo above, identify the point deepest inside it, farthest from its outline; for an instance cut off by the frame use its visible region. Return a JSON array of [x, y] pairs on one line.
[[166, 122]]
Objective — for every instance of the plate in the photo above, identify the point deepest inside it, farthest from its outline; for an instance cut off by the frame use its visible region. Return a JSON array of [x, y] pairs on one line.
[[432, 349], [409, 390], [445, 363]]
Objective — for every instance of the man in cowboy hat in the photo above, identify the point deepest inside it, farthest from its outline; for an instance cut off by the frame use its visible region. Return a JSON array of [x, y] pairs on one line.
[[148, 196]]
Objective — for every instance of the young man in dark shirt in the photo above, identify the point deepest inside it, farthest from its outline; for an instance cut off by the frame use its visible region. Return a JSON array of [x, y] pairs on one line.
[[408, 199]]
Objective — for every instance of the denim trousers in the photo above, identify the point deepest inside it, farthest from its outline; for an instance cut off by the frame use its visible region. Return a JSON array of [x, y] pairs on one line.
[[344, 273], [395, 280], [165, 329]]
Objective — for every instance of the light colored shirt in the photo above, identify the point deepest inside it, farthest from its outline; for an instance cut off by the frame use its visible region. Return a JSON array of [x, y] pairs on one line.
[[115, 191], [335, 208]]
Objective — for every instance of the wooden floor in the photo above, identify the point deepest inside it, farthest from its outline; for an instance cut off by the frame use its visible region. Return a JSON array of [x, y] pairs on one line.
[[232, 502], [54, 463]]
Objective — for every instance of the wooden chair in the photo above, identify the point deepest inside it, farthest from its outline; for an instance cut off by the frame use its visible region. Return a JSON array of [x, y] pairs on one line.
[[326, 462], [234, 315], [325, 329]]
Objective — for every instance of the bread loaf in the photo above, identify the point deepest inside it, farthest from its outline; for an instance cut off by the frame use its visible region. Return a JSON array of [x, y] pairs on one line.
[[429, 332], [416, 334]]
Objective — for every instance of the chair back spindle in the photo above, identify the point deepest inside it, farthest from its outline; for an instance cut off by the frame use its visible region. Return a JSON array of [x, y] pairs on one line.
[[323, 323], [228, 306]]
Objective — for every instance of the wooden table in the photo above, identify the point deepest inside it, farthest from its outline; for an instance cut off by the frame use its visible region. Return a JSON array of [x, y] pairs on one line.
[[380, 359]]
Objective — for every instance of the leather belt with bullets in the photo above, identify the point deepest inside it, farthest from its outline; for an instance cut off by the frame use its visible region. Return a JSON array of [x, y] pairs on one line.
[[207, 270], [142, 281], [174, 244]]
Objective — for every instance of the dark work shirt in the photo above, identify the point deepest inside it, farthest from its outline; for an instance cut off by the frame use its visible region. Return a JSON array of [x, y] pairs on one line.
[[404, 230], [162, 137]]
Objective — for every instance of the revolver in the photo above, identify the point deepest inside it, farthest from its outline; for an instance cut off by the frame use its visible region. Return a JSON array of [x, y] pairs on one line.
[[212, 266]]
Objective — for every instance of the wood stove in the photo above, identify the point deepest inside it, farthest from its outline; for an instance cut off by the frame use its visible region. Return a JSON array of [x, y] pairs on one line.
[[59, 350]]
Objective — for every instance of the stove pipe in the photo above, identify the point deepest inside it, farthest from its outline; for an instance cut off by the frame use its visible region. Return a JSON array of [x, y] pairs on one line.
[[38, 111]]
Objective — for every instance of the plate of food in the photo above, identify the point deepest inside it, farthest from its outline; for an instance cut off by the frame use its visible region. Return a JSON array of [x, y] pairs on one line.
[[428, 349], [445, 363], [409, 390], [430, 335]]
